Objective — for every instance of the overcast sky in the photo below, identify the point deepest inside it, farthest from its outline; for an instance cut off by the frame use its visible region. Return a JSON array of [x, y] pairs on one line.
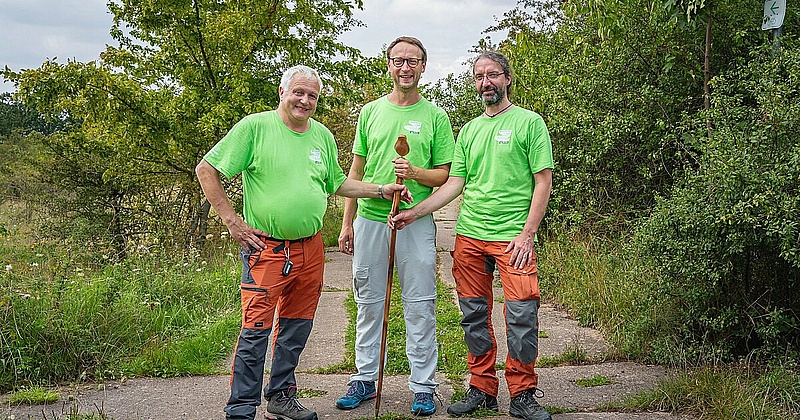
[[32, 31]]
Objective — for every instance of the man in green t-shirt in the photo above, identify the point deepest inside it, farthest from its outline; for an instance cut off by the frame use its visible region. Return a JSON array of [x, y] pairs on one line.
[[289, 166], [430, 139], [503, 164]]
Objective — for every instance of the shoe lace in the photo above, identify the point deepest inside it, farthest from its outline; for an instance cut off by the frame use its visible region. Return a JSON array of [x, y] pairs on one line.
[[473, 394], [528, 397], [294, 404], [357, 388], [423, 397]]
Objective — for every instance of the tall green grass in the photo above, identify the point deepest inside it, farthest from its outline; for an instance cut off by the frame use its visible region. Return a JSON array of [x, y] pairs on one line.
[[68, 317], [604, 286], [731, 392]]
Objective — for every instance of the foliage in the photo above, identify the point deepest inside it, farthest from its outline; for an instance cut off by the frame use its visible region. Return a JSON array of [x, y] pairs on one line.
[[734, 392], [16, 117], [726, 243], [457, 96], [613, 81], [144, 115], [68, 317]]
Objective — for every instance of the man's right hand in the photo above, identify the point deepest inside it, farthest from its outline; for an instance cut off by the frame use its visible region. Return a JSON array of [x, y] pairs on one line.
[[346, 239], [246, 235], [403, 219]]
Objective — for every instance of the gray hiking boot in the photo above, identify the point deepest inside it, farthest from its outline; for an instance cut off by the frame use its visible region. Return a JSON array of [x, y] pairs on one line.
[[474, 400], [284, 405], [526, 407]]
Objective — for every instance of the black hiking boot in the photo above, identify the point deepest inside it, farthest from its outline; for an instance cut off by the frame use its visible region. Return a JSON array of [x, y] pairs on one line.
[[284, 405], [526, 407], [474, 400]]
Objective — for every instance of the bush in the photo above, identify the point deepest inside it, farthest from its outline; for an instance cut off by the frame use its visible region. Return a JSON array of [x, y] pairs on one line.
[[725, 244]]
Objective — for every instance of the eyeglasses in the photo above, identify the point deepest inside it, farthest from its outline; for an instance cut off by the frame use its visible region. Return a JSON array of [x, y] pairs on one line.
[[398, 62], [490, 76]]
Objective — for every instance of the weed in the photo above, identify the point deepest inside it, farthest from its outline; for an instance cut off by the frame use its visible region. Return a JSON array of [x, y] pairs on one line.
[[596, 380], [730, 392], [33, 396], [574, 355], [310, 393]]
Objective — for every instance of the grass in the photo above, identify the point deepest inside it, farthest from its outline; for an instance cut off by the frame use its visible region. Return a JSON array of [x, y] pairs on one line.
[[596, 380], [730, 392], [34, 395], [450, 336], [573, 356], [604, 287], [71, 314]]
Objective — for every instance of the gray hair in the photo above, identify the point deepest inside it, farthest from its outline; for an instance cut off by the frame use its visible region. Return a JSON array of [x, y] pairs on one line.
[[305, 71], [499, 59]]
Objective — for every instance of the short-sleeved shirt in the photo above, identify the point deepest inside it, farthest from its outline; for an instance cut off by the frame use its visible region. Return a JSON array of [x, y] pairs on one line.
[[430, 139], [286, 176], [497, 158]]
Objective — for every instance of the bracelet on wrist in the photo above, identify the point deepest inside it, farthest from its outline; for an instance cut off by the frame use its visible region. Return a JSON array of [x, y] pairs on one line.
[[380, 190]]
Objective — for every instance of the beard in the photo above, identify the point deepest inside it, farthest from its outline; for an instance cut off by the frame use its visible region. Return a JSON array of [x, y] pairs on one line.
[[497, 96]]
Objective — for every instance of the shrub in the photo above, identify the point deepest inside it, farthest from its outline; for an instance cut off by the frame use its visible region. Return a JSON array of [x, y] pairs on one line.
[[725, 244]]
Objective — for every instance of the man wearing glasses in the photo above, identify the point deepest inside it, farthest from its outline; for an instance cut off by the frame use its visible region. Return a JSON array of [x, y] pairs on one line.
[[503, 164], [365, 236]]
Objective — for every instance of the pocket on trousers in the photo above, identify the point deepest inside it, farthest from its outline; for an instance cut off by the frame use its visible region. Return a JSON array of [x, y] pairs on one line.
[[255, 308], [524, 285], [363, 291]]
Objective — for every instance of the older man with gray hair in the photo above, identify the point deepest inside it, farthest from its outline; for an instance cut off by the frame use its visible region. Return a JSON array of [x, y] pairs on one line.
[[289, 166]]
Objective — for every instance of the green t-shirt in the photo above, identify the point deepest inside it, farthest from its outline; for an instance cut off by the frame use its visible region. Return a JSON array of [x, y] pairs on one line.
[[286, 176], [497, 158], [430, 141]]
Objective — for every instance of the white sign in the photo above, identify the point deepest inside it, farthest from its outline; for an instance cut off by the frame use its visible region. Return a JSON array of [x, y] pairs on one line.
[[774, 11]]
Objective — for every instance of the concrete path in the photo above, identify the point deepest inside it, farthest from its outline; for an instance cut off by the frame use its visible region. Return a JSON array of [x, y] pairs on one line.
[[202, 397]]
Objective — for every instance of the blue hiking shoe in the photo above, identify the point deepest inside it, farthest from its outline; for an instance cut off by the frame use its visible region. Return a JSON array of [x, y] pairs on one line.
[[423, 404], [358, 392]]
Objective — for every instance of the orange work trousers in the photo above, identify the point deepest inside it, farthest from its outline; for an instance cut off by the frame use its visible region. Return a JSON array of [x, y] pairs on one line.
[[474, 262]]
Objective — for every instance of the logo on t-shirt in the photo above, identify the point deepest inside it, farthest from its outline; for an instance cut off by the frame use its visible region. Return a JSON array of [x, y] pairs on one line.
[[503, 136], [413, 126], [316, 156]]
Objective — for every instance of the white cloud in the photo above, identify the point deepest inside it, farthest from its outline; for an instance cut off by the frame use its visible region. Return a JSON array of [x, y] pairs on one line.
[[33, 31], [447, 28]]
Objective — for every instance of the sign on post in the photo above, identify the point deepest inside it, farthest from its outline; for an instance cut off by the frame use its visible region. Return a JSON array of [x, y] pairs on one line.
[[774, 11]]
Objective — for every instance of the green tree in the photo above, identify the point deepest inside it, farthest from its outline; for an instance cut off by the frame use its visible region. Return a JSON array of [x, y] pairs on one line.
[[727, 241], [615, 80], [147, 111]]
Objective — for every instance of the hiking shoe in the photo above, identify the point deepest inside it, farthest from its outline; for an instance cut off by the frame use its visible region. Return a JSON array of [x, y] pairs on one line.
[[526, 407], [423, 404], [358, 392], [474, 400], [284, 405]]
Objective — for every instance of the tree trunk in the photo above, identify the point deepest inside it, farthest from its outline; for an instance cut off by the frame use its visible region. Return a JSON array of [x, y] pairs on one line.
[[707, 68]]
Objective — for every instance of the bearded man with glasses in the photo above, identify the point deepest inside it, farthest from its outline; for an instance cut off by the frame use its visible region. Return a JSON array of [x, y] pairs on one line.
[[366, 237], [503, 164]]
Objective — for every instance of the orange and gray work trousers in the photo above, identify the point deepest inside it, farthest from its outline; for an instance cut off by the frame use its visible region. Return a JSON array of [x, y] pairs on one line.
[[474, 262], [267, 287]]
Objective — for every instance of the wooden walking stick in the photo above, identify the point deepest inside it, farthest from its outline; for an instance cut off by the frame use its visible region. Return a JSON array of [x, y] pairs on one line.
[[401, 147]]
